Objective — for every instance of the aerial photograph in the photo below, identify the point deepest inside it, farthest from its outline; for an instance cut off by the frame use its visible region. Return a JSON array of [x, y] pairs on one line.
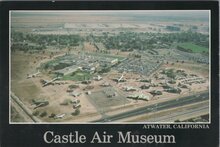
[[109, 66]]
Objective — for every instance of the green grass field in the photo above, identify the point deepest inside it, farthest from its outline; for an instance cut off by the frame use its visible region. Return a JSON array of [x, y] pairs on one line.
[[193, 47], [78, 76]]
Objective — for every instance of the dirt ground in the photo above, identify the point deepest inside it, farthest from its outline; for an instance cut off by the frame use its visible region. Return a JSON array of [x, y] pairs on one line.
[[29, 89]]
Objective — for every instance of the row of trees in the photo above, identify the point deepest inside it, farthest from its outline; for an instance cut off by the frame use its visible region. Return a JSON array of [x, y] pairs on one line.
[[125, 41], [26, 47], [67, 40], [142, 41]]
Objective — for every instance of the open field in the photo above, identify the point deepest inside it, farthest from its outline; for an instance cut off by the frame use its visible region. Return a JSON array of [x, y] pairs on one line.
[[103, 100], [193, 47], [78, 76]]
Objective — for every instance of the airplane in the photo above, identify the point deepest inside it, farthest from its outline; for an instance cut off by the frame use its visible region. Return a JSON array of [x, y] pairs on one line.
[[156, 92], [139, 97], [60, 82], [45, 82], [129, 88], [110, 95], [173, 90], [86, 82], [145, 80], [76, 106], [145, 86], [105, 84], [182, 85], [172, 81], [75, 94], [75, 101], [59, 116], [40, 103], [119, 79], [98, 78], [88, 87], [33, 75]]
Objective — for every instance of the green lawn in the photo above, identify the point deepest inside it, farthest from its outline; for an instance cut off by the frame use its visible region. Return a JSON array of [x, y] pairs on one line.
[[78, 76], [193, 47]]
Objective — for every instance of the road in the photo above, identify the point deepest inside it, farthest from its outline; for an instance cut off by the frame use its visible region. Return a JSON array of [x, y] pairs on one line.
[[198, 110], [158, 107], [22, 114], [25, 111]]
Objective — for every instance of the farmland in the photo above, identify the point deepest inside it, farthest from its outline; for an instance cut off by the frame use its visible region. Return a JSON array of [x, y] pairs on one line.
[[189, 46]]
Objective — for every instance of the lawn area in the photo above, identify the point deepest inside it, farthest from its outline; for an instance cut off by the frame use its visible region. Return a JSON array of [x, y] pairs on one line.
[[193, 47], [77, 76]]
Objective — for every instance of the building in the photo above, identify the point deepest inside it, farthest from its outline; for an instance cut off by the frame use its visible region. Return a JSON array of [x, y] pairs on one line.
[[67, 70]]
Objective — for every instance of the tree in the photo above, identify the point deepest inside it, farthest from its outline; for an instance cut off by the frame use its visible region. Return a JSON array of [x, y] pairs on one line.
[[43, 114], [76, 112], [35, 113]]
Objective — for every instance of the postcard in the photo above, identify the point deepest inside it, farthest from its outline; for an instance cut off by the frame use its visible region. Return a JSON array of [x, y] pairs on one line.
[[111, 74]]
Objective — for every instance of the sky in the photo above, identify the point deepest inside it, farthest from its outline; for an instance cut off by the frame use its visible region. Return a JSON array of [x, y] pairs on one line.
[[114, 16]]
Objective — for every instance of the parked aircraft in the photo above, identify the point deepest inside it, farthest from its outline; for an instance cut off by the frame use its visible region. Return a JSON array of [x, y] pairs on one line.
[[75, 106], [156, 92], [145, 86], [40, 103], [75, 101], [98, 78], [33, 75], [86, 82], [129, 88], [120, 79], [173, 90], [145, 80], [51, 82], [75, 94], [59, 116], [105, 84], [139, 97]]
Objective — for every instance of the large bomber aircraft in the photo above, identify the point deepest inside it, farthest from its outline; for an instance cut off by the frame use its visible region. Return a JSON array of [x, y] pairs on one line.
[[139, 97], [33, 75], [39, 103], [46, 83]]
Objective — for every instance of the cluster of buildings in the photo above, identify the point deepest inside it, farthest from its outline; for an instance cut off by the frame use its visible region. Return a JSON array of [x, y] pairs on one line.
[[138, 65], [89, 63]]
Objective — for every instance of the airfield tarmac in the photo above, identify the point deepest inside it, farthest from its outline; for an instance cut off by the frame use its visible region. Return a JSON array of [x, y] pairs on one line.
[[29, 89]]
